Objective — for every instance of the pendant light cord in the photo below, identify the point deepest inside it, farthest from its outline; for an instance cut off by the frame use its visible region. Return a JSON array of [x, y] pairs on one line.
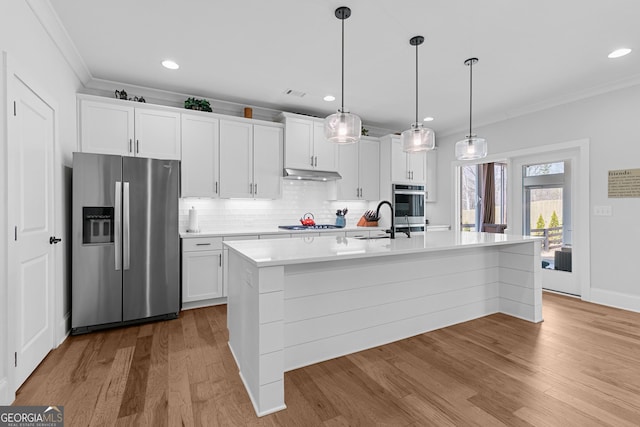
[[342, 97], [417, 84], [470, 94]]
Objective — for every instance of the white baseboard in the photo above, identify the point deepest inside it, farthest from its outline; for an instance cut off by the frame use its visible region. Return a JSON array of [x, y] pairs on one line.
[[615, 299], [6, 398], [63, 328], [204, 303]]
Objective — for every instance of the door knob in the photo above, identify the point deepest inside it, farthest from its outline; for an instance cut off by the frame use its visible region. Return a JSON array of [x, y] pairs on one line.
[[53, 240]]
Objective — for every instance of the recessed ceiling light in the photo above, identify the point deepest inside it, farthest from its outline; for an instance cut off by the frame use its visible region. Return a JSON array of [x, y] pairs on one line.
[[619, 52], [329, 98], [428, 119], [167, 63]]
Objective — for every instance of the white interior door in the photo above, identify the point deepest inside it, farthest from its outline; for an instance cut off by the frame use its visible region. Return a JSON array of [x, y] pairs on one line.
[[31, 255]]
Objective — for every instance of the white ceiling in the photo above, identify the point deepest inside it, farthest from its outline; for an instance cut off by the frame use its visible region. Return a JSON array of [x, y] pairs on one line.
[[533, 54]]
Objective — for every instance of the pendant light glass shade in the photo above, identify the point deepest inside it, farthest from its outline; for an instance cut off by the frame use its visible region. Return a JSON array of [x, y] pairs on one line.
[[472, 147], [343, 127], [418, 138]]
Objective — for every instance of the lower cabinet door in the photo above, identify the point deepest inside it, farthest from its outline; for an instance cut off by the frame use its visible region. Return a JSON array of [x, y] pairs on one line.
[[201, 275]]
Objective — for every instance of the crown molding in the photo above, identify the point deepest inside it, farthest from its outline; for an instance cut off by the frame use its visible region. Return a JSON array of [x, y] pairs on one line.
[[52, 25]]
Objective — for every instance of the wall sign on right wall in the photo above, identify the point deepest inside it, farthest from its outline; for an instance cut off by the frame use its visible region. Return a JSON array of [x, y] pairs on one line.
[[624, 183]]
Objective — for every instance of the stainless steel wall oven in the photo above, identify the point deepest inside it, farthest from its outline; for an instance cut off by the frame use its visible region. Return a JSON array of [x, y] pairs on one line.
[[408, 206]]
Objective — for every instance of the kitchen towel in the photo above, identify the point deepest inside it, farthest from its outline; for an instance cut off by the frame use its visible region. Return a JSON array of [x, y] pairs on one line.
[[193, 220]]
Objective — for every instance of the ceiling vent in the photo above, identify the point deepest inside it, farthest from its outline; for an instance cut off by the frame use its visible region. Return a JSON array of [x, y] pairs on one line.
[[294, 92]]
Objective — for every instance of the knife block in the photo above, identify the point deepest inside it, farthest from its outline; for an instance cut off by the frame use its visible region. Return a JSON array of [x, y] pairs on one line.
[[364, 223]]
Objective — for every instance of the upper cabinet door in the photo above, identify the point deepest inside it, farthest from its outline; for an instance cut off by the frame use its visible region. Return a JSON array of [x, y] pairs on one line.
[[348, 188], [267, 161], [157, 134], [324, 152], [106, 128], [236, 154], [417, 163], [369, 166], [399, 166], [200, 156], [298, 143]]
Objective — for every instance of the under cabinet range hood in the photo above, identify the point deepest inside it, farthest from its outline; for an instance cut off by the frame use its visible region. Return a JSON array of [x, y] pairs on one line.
[[310, 175]]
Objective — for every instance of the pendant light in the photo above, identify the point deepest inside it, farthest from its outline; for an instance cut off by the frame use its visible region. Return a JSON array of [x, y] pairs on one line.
[[472, 147], [418, 138], [342, 127]]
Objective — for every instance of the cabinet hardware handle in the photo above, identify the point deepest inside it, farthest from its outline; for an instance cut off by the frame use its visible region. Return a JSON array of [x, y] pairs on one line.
[[130, 148], [357, 192], [311, 160], [316, 162], [220, 260], [411, 175], [256, 188], [137, 146], [251, 188], [216, 187], [203, 244]]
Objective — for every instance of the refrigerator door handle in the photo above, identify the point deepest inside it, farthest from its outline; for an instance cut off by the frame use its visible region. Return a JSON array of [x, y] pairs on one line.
[[125, 227], [117, 239]]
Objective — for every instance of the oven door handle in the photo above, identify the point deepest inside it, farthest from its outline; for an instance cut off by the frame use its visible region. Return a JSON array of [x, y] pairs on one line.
[[410, 193]]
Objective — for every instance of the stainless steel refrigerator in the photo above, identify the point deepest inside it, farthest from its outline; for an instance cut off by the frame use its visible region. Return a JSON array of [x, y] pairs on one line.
[[125, 248]]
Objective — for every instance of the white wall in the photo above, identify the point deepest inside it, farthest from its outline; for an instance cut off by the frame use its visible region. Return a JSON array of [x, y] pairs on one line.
[[31, 51], [610, 122]]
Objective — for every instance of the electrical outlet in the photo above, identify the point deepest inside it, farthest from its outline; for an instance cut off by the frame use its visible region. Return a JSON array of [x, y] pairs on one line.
[[602, 211]]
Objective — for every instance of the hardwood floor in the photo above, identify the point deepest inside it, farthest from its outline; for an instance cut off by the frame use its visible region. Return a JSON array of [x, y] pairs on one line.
[[580, 367]]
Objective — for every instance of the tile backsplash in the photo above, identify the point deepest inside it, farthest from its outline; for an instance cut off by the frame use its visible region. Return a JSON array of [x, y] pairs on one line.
[[298, 197]]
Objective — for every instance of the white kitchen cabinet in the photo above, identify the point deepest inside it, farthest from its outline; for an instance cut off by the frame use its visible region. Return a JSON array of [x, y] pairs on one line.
[[251, 160], [398, 167], [236, 150], [200, 156], [201, 269], [358, 164], [305, 144], [112, 126], [157, 133], [106, 127], [407, 168], [267, 161]]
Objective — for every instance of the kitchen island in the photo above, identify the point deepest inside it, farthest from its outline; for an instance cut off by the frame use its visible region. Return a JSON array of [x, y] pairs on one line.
[[296, 302]]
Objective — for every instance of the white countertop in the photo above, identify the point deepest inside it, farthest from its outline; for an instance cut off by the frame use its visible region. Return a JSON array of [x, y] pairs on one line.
[[251, 231], [301, 250]]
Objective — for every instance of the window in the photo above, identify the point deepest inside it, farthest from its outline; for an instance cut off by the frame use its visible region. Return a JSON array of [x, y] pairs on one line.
[[472, 182]]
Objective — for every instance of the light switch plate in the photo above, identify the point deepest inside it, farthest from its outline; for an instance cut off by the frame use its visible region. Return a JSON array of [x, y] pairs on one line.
[[602, 211]]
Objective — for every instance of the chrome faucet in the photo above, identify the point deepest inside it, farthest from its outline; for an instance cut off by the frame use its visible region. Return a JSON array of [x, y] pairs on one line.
[[393, 225]]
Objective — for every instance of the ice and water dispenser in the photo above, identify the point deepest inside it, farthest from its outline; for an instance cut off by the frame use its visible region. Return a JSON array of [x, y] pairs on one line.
[[97, 225]]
